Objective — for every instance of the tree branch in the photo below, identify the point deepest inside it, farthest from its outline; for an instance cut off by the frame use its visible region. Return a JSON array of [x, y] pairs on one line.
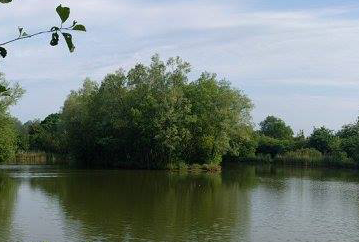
[[32, 35]]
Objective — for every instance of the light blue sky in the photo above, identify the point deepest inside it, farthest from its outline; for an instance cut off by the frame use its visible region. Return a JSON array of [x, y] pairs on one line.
[[296, 59]]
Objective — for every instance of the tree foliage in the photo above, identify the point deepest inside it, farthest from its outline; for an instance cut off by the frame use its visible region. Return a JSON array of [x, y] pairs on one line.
[[153, 115], [276, 128], [275, 140], [324, 140], [8, 134]]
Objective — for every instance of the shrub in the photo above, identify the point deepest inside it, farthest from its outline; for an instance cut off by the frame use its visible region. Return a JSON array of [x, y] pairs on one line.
[[211, 167], [182, 166], [196, 167], [272, 146]]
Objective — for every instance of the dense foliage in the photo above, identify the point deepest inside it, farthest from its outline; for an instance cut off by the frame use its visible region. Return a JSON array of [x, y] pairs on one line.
[[8, 132], [153, 116], [276, 128], [324, 147]]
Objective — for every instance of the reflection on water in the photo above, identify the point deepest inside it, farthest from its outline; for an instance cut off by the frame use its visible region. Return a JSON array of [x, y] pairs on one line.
[[243, 203], [7, 202]]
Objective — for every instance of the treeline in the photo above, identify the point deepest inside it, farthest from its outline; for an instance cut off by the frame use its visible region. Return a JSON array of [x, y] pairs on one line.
[[274, 142], [154, 117]]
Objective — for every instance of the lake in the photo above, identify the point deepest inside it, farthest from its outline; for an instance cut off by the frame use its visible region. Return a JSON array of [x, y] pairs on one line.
[[243, 203]]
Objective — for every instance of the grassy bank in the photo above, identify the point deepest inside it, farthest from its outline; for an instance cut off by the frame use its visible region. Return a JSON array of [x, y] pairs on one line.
[[303, 158], [194, 167], [325, 161], [43, 158]]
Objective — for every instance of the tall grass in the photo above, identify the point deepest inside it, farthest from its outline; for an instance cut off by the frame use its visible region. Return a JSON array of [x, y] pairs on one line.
[[36, 158], [194, 167], [30, 158], [305, 158]]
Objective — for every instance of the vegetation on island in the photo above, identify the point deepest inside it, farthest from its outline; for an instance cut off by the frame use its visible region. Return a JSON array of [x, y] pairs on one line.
[[155, 117], [149, 117]]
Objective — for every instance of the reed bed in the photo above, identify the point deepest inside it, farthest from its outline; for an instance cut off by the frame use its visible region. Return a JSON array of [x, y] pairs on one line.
[[194, 167], [304, 158], [36, 158]]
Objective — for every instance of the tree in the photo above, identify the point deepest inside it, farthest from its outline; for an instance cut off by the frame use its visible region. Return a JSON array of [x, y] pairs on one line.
[[324, 140], [272, 146], [22, 135], [275, 128], [220, 111], [243, 143], [46, 135], [64, 13], [349, 136], [8, 134], [300, 141]]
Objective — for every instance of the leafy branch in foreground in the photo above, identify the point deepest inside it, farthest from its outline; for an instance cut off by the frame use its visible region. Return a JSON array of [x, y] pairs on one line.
[[64, 14]]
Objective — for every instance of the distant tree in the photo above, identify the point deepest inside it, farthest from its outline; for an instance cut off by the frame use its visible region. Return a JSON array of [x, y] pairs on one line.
[[324, 140], [273, 146], [300, 141], [8, 134], [349, 136], [275, 128], [22, 135], [46, 135]]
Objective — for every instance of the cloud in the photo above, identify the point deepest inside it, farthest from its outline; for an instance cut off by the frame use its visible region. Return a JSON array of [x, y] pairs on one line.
[[251, 47]]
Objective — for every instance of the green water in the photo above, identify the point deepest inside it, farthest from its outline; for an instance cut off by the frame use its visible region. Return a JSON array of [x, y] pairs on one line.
[[243, 203]]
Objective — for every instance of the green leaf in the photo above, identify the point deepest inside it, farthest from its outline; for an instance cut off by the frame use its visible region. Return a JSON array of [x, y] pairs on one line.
[[3, 52], [68, 39], [54, 28], [20, 30], [5, 1], [79, 27], [55, 39], [63, 12], [2, 89]]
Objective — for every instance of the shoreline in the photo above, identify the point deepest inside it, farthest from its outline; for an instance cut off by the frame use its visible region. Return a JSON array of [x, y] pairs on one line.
[[299, 163]]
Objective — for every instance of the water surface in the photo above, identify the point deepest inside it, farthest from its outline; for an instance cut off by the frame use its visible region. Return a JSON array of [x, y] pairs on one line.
[[243, 203]]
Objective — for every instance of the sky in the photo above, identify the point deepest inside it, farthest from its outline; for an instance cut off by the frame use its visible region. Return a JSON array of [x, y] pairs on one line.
[[298, 59]]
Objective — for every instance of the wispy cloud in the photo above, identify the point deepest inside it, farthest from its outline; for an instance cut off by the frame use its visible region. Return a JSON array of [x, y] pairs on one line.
[[313, 47]]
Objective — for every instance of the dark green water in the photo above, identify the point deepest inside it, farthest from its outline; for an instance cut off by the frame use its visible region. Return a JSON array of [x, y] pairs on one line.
[[243, 203]]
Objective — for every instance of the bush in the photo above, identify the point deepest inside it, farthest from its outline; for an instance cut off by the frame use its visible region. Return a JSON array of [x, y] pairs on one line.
[[340, 160], [272, 146], [196, 167], [182, 166]]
